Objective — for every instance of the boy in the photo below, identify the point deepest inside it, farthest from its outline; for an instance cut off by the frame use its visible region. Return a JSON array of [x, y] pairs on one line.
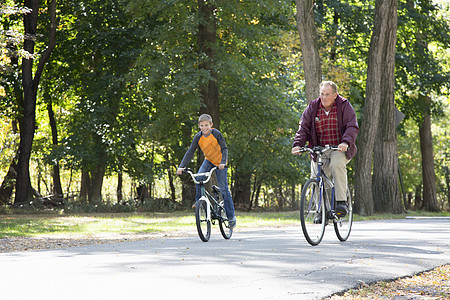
[[215, 150]]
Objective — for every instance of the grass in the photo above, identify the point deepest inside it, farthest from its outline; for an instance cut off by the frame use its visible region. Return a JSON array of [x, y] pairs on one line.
[[29, 225]]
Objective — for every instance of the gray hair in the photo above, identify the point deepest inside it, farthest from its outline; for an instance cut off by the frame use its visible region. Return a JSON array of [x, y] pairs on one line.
[[205, 117], [329, 83]]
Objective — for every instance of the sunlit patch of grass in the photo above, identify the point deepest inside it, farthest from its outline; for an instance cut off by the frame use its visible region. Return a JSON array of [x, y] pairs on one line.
[[35, 225], [270, 219], [131, 223]]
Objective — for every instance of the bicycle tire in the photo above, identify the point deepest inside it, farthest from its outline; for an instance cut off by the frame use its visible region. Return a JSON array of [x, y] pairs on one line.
[[201, 219], [224, 229], [343, 225], [311, 204]]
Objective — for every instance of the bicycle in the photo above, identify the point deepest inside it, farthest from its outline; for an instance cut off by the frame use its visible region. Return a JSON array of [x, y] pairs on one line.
[[208, 209], [315, 213]]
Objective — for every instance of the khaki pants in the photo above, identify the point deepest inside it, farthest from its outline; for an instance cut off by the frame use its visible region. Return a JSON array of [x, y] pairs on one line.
[[334, 164]]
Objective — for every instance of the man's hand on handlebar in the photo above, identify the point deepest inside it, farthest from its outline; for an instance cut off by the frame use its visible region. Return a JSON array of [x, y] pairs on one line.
[[343, 147], [296, 150]]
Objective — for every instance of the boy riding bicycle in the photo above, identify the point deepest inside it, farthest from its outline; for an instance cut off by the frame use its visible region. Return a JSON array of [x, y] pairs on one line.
[[330, 120], [213, 145]]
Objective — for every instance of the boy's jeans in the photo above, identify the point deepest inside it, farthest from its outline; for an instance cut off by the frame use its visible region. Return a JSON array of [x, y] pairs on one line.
[[221, 176]]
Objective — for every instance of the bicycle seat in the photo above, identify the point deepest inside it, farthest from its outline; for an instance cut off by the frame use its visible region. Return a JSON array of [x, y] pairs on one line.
[[216, 188]]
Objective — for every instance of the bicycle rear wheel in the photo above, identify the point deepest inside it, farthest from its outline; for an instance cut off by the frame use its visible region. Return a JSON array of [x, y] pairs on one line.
[[224, 229], [343, 225], [312, 212], [201, 219]]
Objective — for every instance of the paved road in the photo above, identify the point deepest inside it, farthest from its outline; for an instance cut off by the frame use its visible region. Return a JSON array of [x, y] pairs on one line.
[[257, 264]]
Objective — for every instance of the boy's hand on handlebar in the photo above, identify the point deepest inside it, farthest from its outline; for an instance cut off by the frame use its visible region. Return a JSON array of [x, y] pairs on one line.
[[180, 171], [222, 166], [343, 147]]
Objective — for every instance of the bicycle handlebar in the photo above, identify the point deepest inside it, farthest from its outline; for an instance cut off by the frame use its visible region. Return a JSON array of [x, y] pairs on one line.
[[194, 176], [318, 149]]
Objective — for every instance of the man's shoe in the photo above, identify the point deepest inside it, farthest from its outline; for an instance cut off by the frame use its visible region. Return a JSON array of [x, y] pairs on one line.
[[341, 209], [232, 222], [318, 218]]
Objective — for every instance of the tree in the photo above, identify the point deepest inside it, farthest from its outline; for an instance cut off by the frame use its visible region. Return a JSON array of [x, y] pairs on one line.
[[310, 49], [386, 193], [428, 174], [381, 48], [108, 118], [207, 38], [11, 93], [240, 49], [421, 78], [30, 84]]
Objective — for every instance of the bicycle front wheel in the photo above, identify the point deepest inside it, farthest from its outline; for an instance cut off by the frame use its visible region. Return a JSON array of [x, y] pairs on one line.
[[223, 222], [202, 221], [343, 224], [312, 212]]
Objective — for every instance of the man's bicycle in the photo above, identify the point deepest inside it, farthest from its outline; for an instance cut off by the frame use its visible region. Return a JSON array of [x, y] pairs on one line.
[[208, 209], [315, 209]]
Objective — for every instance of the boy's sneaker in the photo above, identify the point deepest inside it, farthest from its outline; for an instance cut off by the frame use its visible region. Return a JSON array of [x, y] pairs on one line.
[[341, 209], [195, 204], [232, 222]]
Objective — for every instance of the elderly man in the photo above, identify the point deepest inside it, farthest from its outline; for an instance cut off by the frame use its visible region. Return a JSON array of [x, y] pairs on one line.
[[330, 120]]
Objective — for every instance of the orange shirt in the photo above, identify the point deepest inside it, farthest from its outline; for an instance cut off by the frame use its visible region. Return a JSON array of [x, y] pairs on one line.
[[213, 146]]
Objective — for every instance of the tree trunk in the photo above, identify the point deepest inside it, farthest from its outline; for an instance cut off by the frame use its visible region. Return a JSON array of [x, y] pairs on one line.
[[171, 185], [85, 186], [309, 46], [142, 192], [241, 190], [57, 187], [30, 85], [295, 203], [188, 191], [386, 192], [428, 174], [206, 42], [281, 199], [447, 183], [418, 197], [9, 181], [255, 193], [381, 47], [95, 194], [119, 185]]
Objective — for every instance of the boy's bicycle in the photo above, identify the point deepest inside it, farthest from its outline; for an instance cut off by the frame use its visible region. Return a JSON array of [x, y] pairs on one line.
[[208, 209], [316, 211]]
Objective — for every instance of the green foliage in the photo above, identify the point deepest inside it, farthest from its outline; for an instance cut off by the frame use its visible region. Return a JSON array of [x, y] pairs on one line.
[[124, 82], [419, 72]]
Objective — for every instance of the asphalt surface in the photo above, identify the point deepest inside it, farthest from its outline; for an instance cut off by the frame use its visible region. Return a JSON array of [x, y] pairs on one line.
[[257, 264]]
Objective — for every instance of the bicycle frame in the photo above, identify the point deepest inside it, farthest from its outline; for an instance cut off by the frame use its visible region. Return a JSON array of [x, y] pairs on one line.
[[212, 204], [214, 210], [320, 178]]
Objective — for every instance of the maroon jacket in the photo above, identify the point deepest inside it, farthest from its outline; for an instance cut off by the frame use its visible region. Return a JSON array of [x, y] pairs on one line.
[[347, 123]]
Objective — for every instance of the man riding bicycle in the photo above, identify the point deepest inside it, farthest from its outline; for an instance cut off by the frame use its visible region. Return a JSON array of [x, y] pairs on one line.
[[330, 120]]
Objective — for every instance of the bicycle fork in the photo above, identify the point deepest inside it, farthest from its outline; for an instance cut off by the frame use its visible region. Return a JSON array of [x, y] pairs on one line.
[[208, 207]]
